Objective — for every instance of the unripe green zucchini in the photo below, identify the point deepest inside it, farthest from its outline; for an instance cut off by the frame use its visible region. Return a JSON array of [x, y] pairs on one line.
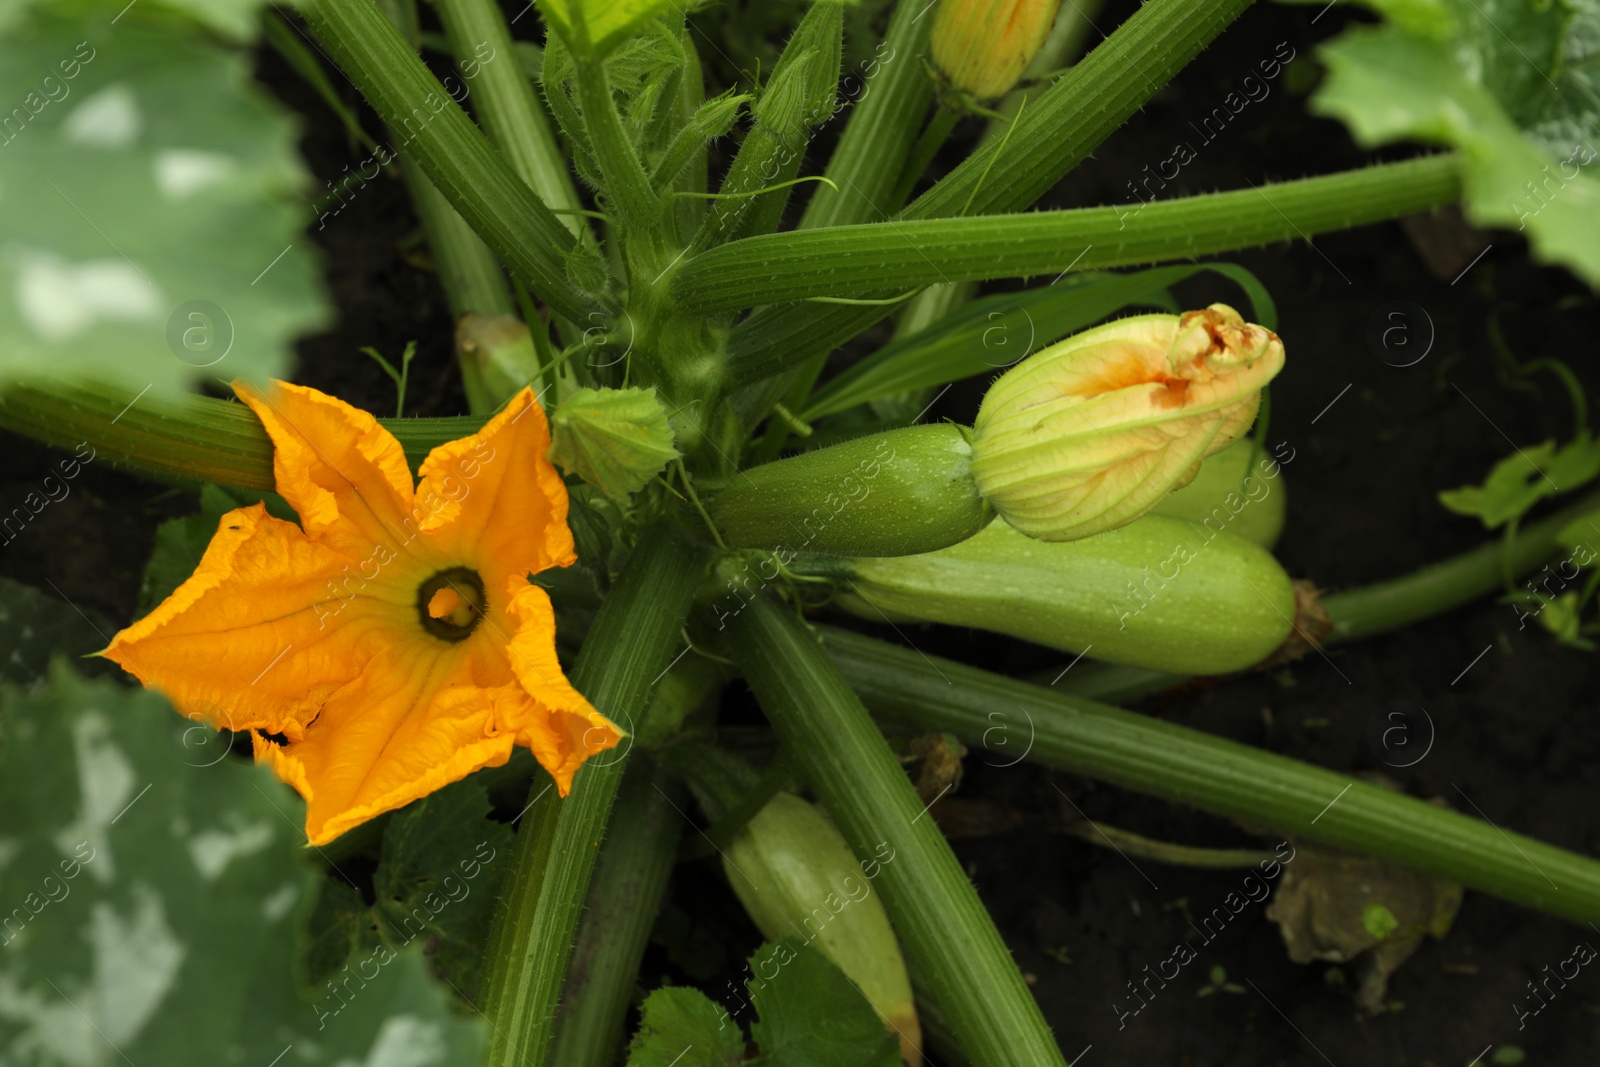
[[887, 494], [1159, 592], [796, 876], [1237, 490]]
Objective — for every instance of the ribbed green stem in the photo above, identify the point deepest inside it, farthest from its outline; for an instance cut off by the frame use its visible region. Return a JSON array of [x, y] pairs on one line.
[[1067, 121], [865, 168], [630, 881], [629, 645], [193, 438], [871, 153], [934, 909], [506, 104], [467, 270], [627, 187], [452, 151], [1229, 779], [1061, 127], [881, 258]]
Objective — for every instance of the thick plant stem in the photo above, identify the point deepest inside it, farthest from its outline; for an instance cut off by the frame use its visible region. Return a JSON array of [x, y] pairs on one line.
[[632, 640], [771, 268], [507, 105], [865, 169], [468, 272], [947, 934], [451, 150], [187, 439], [630, 881], [627, 186], [1063, 125], [865, 166], [1229, 779]]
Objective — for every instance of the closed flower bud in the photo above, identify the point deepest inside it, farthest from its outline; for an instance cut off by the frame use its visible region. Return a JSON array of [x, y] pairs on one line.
[[1093, 432], [983, 46]]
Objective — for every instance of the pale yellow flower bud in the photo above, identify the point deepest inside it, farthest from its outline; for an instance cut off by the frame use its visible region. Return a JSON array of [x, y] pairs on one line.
[[983, 46], [1093, 432]]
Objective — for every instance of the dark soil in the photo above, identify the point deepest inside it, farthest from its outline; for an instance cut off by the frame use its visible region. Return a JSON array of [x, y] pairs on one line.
[[1517, 736]]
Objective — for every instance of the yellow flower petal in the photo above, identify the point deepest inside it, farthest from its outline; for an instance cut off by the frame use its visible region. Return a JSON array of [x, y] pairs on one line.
[[344, 475], [556, 722], [494, 498], [402, 729], [261, 634]]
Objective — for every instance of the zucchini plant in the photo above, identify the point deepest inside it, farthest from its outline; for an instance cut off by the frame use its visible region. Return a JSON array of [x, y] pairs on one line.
[[658, 476]]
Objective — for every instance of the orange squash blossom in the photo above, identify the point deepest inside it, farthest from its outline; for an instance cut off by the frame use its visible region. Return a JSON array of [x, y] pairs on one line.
[[391, 643]]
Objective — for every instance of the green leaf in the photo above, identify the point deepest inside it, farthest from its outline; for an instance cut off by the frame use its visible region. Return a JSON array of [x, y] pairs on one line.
[[440, 869], [995, 332], [1514, 85], [1379, 921], [161, 242], [443, 860], [614, 439], [812, 1015], [338, 926], [180, 542], [1524, 478], [152, 905], [34, 626], [681, 1027], [1581, 536], [594, 27], [1561, 618]]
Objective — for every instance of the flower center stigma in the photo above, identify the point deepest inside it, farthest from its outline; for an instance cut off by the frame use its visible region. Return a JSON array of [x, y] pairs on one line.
[[451, 603]]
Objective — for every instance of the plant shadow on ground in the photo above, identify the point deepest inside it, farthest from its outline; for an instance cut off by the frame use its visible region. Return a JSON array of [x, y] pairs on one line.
[[1372, 443]]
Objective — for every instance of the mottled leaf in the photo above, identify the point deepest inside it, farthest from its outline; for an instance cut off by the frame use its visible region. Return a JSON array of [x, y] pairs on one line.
[[150, 903], [151, 230]]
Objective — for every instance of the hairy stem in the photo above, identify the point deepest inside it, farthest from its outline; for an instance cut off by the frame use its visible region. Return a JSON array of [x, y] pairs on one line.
[[630, 881], [191, 438], [507, 105], [886, 257], [451, 150], [1216, 775], [1062, 126], [946, 932], [630, 643], [893, 97]]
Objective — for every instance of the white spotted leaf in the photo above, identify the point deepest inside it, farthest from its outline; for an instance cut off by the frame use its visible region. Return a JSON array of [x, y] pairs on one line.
[[150, 230], [152, 887]]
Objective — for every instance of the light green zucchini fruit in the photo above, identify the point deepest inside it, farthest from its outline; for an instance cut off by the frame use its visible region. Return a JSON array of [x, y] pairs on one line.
[[798, 879], [1164, 593], [887, 494], [1239, 490]]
